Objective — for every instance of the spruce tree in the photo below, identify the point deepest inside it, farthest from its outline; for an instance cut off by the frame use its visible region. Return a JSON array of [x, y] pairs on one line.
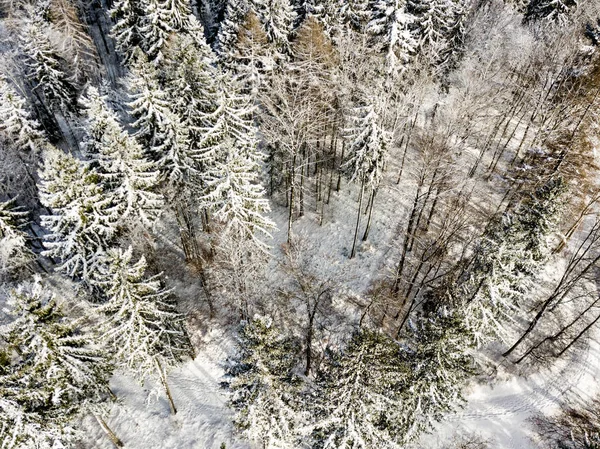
[[277, 16], [367, 152], [142, 328], [165, 137], [17, 127], [550, 10], [45, 66], [83, 222], [160, 20], [360, 404], [52, 370], [265, 389], [390, 25], [434, 21], [128, 177], [126, 31], [229, 28], [14, 251], [440, 363]]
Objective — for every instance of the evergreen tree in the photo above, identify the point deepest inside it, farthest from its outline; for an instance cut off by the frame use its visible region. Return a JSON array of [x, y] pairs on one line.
[[367, 152], [362, 404], [160, 20], [232, 190], [550, 10], [51, 371], [277, 16], [128, 176], [142, 329], [126, 31], [390, 25], [148, 24], [159, 128], [433, 24], [45, 66], [252, 57], [83, 222], [356, 13], [191, 82], [506, 260], [439, 362], [59, 366], [265, 389], [14, 252], [17, 127], [229, 28]]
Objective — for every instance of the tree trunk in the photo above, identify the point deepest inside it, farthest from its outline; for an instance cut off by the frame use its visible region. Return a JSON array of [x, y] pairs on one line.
[[291, 214], [360, 198], [371, 201], [163, 380], [109, 433]]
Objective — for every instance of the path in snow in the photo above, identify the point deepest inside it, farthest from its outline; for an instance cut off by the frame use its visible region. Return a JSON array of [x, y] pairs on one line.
[[501, 412]]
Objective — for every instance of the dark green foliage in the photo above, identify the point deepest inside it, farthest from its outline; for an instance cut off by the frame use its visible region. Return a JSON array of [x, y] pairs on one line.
[[265, 388], [549, 10], [50, 368]]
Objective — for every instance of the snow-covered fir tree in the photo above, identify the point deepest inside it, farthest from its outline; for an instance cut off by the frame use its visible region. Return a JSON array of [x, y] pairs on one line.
[[59, 365], [390, 25], [232, 190], [360, 403], [439, 361], [83, 222], [14, 250], [141, 328], [191, 81], [367, 152], [165, 137], [45, 67], [126, 14], [229, 28], [161, 19], [128, 177], [367, 147], [550, 10], [17, 126], [536, 219], [148, 24], [433, 23], [490, 287], [53, 370], [264, 386], [506, 260], [21, 428], [356, 13], [277, 17], [149, 102]]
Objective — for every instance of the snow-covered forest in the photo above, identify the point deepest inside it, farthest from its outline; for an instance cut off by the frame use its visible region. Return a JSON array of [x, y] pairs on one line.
[[281, 224]]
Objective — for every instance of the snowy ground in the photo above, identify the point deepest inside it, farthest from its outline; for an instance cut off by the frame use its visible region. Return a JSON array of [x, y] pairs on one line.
[[142, 419], [497, 412], [500, 411]]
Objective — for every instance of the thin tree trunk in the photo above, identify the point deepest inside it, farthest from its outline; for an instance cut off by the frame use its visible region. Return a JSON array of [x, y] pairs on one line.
[[109, 433], [371, 201], [291, 214], [163, 380], [339, 180], [360, 198]]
